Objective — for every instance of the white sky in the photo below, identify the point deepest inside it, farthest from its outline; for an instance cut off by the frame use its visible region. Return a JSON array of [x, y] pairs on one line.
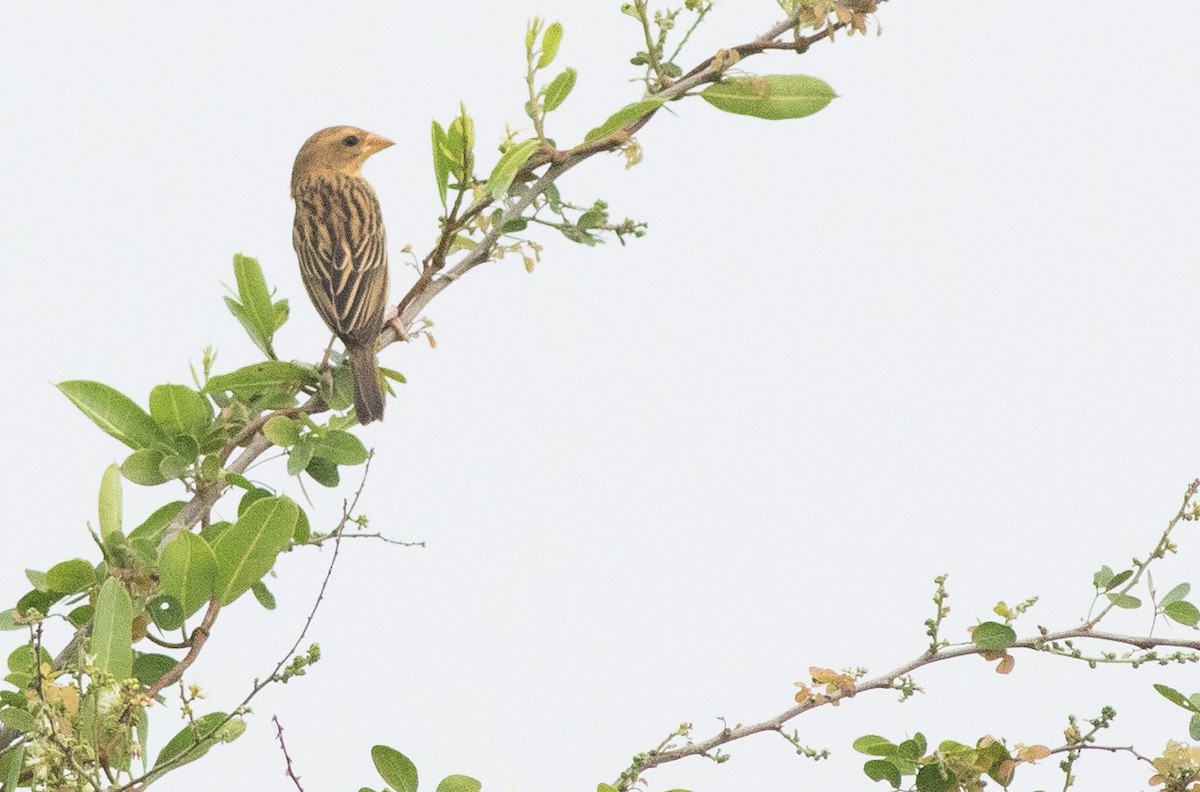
[[947, 325]]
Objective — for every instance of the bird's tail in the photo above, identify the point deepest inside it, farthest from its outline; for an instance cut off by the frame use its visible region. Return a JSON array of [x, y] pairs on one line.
[[368, 390]]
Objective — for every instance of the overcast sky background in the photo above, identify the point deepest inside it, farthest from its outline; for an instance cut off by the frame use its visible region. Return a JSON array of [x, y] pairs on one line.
[[948, 324]]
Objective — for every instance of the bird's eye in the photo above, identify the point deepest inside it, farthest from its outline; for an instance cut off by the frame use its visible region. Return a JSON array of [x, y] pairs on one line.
[[350, 141]]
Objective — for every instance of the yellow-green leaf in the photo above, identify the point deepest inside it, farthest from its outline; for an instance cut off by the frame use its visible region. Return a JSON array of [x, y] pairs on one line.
[[112, 633], [110, 502], [188, 571], [774, 97], [508, 166], [626, 115], [115, 413]]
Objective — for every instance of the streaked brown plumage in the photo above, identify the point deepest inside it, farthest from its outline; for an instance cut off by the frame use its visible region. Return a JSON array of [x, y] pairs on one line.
[[339, 239]]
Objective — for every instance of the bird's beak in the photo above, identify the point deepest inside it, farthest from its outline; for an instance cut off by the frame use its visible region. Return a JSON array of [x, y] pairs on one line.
[[373, 143]]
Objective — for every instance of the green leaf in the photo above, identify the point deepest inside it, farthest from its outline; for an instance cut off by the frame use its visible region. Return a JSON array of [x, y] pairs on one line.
[[166, 611], [256, 301], [626, 115], [303, 529], [153, 526], [1118, 579], [993, 636], [323, 472], [251, 497], [180, 410], [395, 768], [112, 635], [198, 737], [149, 668], [37, 579], [110, 502], [281, 311], [883, 770], [1102, 577], [254, 379], [559, 89], [22, 659], [1183, 612], [508, 166], [263, 595], [1176, 594], [341, 448], [1175, 697], [144, 467], [460, 139], [247, 551], [442, 161], [80, 616], [173, 466], [281, 430], [393, 375], [1126, 601], [774, 97], [550, 41], [115, 413], [188, 571], [1194, 727], [874, 745], [459, 783], [931, 779], [12, 762], [300, 456], [247, 322], [69, 577], [605, 788], [18, 719]]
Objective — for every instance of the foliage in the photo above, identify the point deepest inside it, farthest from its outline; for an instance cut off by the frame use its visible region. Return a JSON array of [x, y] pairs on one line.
[[142, 609]]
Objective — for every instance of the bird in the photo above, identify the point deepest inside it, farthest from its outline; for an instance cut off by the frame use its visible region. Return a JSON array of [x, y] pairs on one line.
[[342, 248]]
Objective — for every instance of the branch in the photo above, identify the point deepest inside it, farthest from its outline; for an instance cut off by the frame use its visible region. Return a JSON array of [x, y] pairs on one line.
[[888, 681]]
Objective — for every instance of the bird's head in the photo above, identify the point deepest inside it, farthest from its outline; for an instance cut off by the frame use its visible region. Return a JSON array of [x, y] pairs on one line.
[[339, 149]]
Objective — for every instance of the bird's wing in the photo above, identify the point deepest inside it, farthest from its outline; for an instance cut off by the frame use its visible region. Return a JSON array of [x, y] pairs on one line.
[[342, 248]]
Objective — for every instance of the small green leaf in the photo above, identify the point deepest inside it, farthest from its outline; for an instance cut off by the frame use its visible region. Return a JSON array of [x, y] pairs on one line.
[[460, 139], [1183, 612], [508, 166], [1176, 594], [256, 301], [153, 526], [459, 783], [180, 410], [883, 770], [1126, 601], [12, 762], [300, 456], [774, 97], [393, 375], [341, 448], [1175, 697], [166, 611], [18, 719], [874, 745], [145, 467], [282, 431], [323, 472], [69, 577], [303, 529], [1194, 727], [1102, 577], [442, 161], [395, 768], [115, 413], [930, 778], [247, 551], [110, 502], [993, 636], [173, 466], [188, 571], [1118, 579], [199, 736], [272, 374], [112, 635], [559, 89], [281, 312], [550, 41], [37, 579], [263, 595], [149, 668], [626, 115]]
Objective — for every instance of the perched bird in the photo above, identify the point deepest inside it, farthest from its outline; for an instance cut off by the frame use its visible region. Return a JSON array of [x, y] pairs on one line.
[[339, 239]]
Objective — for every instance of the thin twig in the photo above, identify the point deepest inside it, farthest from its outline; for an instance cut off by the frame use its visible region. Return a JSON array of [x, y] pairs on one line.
[[289, 772]]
